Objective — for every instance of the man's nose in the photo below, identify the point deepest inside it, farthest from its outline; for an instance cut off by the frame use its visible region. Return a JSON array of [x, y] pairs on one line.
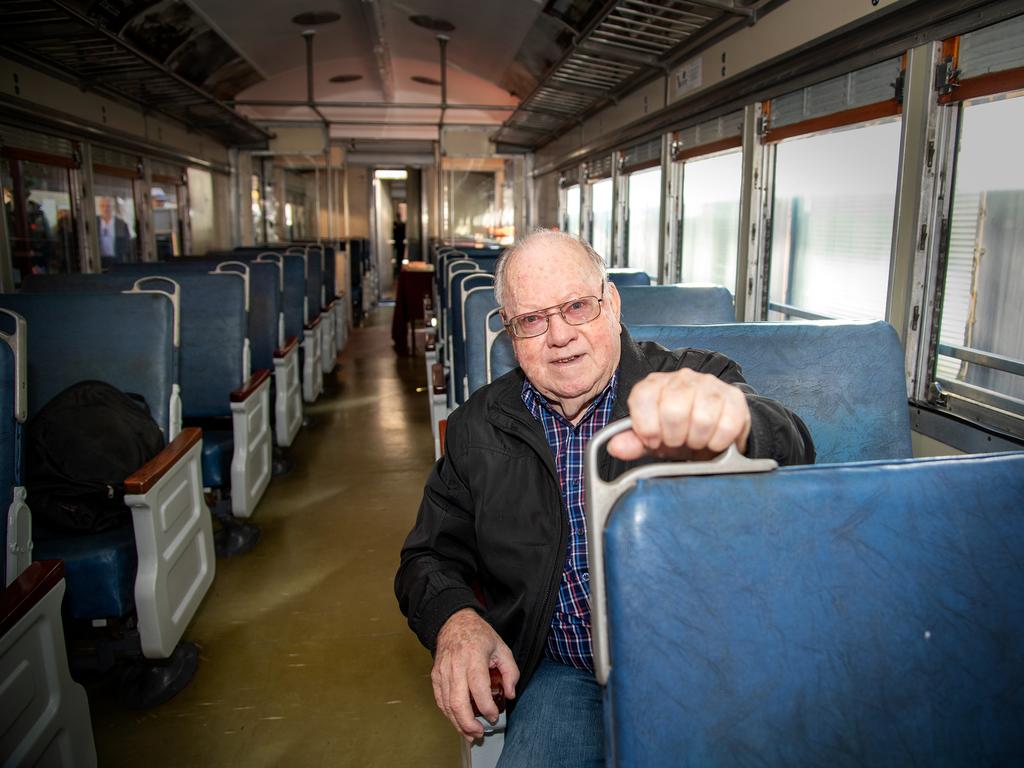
[[560, 332]]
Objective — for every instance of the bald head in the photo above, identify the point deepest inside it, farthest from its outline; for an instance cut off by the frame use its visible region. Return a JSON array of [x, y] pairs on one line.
[[541, 245]]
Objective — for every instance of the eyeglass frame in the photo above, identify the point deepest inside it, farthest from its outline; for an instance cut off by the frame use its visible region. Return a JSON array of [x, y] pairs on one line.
[[547, 312]]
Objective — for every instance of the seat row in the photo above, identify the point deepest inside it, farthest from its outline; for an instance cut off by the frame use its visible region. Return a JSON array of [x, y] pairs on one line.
[[865, 606], [208, 343]]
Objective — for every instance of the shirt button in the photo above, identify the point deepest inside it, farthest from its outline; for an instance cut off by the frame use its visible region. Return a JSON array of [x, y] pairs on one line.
[[586, 577]]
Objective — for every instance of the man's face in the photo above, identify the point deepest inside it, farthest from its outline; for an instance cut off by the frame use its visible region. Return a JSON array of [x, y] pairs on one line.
[[568, 364], [106, 209]]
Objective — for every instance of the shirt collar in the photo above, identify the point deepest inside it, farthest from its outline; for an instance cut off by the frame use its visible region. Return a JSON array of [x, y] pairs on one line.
[[535, 401]]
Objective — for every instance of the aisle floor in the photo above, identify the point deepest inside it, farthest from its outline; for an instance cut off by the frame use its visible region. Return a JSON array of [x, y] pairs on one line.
[[305, 657]]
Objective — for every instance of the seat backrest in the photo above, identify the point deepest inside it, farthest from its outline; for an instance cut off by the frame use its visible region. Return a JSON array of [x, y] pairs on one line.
[[124, 339], [646, 305], [264, 301], [676, 304], [461, 283], [844, 379], [864, 614], [213, 332], [622, 277], [479, 303]]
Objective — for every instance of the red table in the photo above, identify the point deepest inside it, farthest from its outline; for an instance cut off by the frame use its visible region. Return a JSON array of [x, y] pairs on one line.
[[415, 281]]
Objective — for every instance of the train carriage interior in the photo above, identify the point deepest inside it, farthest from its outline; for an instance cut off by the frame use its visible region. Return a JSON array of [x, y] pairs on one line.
[[275, 226]]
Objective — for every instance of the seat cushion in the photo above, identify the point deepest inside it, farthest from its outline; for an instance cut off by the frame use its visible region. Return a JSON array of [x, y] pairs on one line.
[[100, 570], [217, 449]]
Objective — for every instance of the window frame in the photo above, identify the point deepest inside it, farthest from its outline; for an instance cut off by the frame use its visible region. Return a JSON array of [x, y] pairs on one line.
[[983, 408]]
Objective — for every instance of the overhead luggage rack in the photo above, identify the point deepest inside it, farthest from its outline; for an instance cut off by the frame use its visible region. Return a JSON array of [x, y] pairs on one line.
[[55, 35], [627, 41]]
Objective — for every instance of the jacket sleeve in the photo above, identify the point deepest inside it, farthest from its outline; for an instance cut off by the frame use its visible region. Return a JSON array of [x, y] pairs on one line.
[[438, 564], [775, 431]]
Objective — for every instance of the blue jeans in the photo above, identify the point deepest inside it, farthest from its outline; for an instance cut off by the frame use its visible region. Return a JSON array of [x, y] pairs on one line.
[[558, 721]]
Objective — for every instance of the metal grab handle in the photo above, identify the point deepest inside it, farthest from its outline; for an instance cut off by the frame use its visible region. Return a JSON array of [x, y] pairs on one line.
[[174, 294], [600, 496], [17, 340], [269, 257], [235, 268]]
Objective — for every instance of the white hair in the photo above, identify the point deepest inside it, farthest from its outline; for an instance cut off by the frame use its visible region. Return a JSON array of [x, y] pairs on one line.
[[554, 237]]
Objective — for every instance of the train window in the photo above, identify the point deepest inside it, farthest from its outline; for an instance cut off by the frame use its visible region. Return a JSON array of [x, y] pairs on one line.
[[572, 209], [643, 229], [601, 211], [43, 234], [116, 222], [256, 200], [201, 210], [832, 222], [981, 342], [166, 220], [711, 208], [473, 209]]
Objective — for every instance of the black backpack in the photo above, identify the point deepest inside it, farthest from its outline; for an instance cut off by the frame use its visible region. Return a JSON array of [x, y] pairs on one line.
[[79, 449]]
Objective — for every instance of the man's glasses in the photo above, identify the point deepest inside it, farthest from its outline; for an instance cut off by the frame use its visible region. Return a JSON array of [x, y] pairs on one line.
[[574, 312]]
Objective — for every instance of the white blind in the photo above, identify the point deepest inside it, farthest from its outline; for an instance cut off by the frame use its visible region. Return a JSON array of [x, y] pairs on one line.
[[992, 49], [856, 89]]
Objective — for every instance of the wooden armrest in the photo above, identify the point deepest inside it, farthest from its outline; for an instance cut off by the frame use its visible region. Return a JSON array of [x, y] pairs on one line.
[[146, 476], [438, 379], [244, 392], [289, 345], [442, 427], [310, 326], [27, 590], [497, 693]]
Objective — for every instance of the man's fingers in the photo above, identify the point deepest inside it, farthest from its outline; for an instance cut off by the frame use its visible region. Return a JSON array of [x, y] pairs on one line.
[[627, 446], [644, 410], [708, 402], [462, 711], [506, 665], [733, 425], [480, 690], [676, 404]]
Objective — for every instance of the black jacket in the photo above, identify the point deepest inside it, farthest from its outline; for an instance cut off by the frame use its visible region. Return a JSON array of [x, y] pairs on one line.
[[492, 513]]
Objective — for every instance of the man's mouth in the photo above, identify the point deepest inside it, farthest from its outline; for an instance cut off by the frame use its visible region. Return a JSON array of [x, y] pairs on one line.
[[566, 360]]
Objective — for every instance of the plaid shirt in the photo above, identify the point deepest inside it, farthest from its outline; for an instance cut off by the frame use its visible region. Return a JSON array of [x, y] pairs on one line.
[[569, 639]]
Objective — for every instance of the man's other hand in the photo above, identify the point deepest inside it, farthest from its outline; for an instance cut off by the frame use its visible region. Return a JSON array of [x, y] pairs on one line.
[[683, 415], [467, 649]]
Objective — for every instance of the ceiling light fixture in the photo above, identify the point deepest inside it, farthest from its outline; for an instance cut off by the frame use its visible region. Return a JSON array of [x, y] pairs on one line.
[[425, 80], [432, 23], [315, 18], [346, 78]]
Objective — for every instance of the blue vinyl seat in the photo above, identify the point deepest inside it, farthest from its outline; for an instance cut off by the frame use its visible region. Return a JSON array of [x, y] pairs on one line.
[[840, 614], [623, 277], [462, 284], [820, 615], [480, 313], [855, 412], [42, 704], [215, 374], [129, 340]]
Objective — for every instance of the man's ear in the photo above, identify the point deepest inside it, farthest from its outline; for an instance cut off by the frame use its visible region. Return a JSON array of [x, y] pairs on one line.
[[614, 301]]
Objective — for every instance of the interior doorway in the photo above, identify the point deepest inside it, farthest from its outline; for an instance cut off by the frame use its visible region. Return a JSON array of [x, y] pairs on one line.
[[397, 204]]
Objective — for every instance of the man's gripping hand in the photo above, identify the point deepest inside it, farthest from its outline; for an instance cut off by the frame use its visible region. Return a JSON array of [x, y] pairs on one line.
[[467, 649], [683, 415]]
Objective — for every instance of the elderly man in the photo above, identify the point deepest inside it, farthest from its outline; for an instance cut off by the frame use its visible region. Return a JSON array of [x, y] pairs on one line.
[[502, 512]]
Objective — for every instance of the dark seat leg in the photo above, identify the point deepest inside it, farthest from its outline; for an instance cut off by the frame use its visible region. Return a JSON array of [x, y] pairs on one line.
[[233, 537]]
